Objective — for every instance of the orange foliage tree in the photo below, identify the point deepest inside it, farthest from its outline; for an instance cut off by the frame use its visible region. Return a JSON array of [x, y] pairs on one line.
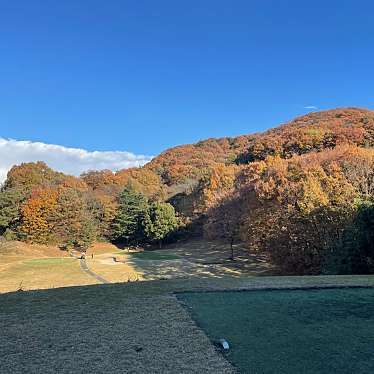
[[298, 208], [36, 216], [30, 175]]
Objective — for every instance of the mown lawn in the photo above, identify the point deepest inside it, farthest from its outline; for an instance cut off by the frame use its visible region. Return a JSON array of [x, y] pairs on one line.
[[154, 256], [40, 262], [140, 327], [291, 331], [102, 329], [151, 255], [39, 273]]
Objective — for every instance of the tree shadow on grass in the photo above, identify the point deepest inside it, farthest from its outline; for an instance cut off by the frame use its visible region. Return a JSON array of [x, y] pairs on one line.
[[200, 258]]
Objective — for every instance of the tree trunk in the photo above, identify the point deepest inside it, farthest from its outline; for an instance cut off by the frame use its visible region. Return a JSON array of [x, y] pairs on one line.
[[232, 248], [160, 244]]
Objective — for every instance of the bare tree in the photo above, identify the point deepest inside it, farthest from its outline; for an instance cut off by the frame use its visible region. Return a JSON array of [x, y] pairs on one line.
[[224, 221]]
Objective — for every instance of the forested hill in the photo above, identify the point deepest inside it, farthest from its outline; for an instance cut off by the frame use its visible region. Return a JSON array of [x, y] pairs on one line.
[[298, 192], [312, 132]]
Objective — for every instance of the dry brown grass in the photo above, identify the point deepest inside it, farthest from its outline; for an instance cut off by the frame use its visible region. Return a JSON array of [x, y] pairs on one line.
[[200, 258], [32, 267], [194, 259], [112, 271], [101, 330], [137, 327], [103, 264], [190, 259], [126, 328]]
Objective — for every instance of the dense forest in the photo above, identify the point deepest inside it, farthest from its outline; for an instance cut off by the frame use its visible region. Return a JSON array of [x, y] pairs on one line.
[[302, 192]]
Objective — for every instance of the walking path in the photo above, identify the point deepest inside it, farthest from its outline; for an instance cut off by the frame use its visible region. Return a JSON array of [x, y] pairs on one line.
[[85, 268]]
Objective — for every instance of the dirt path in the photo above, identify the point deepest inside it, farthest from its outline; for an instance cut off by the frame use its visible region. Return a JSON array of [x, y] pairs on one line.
[[85, 268]]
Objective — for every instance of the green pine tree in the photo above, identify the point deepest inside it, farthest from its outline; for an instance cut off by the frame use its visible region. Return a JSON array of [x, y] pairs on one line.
[[132, 211], [10, 203], [160, 222]]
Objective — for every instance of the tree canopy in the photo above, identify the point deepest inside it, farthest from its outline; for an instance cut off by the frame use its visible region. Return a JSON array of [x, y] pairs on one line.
[[160, 221], [301, 192]]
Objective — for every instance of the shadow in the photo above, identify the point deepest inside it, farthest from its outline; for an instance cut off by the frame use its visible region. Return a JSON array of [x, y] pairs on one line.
[[201, 258]]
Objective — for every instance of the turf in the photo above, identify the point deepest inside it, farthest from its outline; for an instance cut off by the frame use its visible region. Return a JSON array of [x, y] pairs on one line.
[[37, 267], [291, 331], [41, 273], [137, 327], [49, 261], [101, 330], [153, 256]]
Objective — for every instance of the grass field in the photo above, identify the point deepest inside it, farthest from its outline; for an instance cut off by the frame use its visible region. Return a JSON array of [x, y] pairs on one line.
[[141, 327], [291, 332], [154, 256], [38, 267], [47, 262]]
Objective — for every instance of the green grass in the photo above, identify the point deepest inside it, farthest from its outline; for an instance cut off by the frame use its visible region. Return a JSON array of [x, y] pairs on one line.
[[152, 255], [49, 261], [291, 331]]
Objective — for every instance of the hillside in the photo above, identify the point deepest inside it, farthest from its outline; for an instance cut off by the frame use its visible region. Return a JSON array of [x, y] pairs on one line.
[[273, 191], [312, 132], [189, 162]]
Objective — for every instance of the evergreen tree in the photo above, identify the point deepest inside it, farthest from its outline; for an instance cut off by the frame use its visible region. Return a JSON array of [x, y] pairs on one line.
[[160, 222], [10, 204], [129, 222]]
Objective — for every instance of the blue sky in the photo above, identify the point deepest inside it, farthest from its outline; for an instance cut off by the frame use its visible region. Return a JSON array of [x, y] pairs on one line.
[[144, 75]]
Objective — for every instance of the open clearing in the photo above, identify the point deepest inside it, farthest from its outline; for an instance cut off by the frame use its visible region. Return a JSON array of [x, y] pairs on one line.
[[39, 267], [298, 331], [192, 259], [141, 327]]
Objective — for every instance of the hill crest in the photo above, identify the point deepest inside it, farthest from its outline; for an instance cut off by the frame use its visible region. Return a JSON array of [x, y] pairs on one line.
[[311, 132]]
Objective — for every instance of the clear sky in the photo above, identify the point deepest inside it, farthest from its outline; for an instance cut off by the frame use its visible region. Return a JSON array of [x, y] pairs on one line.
[[144, 75]]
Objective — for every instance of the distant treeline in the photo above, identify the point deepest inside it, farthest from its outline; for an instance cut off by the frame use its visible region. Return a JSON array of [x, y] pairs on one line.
[[40, 205]]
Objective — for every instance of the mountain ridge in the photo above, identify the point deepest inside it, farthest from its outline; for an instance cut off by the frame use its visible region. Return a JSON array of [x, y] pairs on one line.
[[331, 127]]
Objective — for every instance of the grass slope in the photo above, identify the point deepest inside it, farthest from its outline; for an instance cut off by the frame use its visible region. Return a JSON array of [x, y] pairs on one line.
[[38, 267]]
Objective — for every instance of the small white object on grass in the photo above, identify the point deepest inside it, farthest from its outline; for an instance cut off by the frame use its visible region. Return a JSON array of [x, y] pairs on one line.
[[224, 343]]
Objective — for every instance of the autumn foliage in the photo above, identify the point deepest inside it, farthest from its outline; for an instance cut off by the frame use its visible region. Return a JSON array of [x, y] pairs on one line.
[[298, 209], [37, 216], [301, 192]]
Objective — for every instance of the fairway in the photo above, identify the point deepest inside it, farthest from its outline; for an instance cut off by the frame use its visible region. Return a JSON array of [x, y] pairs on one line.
[[28, 266], [291, 331], [153, 256], [49, 261]]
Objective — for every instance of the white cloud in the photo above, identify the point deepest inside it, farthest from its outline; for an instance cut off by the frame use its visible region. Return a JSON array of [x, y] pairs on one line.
[[68, 160], [313, 107]]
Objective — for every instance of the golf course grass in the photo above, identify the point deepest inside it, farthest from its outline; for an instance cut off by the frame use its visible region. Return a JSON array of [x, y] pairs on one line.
[[141, 327], [290, 331], [49, 261], [153, 256]]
